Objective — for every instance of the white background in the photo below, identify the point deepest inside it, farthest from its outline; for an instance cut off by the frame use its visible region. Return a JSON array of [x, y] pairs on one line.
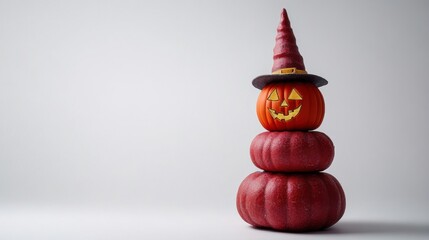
[[133, 119]]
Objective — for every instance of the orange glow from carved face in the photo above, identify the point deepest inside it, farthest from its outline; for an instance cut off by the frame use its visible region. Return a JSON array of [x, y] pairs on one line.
[[291, 113], [288, 106]]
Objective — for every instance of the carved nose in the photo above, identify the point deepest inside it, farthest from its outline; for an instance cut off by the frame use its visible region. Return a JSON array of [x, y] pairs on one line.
[[284, 103]]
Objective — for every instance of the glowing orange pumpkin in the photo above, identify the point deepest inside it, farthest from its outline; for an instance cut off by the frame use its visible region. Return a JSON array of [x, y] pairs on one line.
[[286, 106]]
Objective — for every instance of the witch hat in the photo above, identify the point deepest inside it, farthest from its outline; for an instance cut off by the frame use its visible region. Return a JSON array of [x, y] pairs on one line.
[[288, 63]]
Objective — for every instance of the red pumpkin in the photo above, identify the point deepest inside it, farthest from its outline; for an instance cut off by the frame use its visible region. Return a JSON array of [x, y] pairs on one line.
[[291, 202], [286, 106], [292, 151]]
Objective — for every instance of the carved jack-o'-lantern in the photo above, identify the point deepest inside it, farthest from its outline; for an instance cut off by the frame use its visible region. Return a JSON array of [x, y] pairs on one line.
[[285, 106]]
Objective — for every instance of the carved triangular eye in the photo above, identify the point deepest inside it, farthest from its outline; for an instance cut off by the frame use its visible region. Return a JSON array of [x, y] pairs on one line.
[[274, 96], [294, 95]]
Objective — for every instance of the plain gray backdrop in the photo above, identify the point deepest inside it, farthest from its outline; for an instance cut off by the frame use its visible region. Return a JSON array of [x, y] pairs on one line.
[[150, 103]]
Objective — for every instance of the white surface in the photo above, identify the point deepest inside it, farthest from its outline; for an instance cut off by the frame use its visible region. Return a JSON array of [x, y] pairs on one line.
[[150, 104], [107, 223]]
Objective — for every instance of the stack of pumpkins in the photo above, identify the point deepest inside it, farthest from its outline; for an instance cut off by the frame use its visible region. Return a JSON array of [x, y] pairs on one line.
[[291, 194]]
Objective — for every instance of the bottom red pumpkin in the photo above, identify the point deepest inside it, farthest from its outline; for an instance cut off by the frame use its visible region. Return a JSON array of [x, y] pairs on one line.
[[291, 202]]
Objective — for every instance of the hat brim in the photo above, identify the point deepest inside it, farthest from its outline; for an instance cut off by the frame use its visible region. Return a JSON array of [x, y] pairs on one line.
[[263, 80]]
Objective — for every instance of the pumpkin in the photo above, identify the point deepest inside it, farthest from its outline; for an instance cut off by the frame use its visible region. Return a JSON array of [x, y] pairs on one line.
[[291, 202], [294, 151], [286, 106]]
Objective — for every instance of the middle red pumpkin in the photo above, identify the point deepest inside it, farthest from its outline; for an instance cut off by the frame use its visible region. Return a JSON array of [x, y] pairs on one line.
[[292, 151]]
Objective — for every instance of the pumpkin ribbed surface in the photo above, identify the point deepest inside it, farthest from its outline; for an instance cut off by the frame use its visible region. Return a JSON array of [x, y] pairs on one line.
[[292, 151], [291, 202]]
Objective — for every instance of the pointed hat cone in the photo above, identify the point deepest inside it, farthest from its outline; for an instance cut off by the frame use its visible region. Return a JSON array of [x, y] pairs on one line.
[[286, 54], [288, 63]]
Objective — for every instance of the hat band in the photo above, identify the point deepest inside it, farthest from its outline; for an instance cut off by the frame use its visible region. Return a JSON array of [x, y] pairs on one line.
[[289, 71]]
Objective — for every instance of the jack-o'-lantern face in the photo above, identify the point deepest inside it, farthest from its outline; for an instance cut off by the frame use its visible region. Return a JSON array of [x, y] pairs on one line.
[[285, 106], [283, 115]]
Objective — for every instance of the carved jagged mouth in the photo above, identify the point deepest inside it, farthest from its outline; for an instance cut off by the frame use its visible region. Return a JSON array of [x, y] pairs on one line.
[[280, 116]]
